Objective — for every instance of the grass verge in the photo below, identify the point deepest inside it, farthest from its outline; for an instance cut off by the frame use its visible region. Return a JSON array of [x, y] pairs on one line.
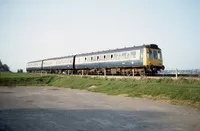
[[181, 91]]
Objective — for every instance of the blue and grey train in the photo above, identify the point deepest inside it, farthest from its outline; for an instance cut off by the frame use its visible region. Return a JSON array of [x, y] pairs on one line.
[[144, 59]]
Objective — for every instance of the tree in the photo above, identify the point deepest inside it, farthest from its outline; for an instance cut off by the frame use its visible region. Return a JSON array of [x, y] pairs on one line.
[[4, 67]]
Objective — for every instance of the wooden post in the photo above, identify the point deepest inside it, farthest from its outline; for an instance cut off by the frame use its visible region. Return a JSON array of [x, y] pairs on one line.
[[133, 72], [176, 74]]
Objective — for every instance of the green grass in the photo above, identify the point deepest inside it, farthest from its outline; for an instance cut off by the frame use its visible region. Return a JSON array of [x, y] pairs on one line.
[[25, 79], [17, 75], [181, 90]]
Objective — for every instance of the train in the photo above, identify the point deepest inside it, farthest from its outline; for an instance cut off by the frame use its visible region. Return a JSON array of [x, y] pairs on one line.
[[136, 60]]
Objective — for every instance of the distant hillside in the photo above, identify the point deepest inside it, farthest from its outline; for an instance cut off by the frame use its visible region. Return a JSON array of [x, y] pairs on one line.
[[4, 67]]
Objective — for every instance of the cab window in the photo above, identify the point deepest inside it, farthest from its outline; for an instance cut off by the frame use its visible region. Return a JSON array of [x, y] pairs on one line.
[[150, 54], [155, 55], [159, 55]]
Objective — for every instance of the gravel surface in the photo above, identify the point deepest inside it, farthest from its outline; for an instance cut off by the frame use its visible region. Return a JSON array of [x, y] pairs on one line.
[[61, 109]]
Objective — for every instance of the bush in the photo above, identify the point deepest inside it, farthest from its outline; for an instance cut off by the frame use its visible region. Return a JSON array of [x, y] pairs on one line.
[[19, 71]]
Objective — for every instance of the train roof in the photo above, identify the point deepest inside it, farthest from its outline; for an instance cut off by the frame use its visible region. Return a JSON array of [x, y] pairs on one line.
[[154, 46], [53, 58], [35, 61], [59, 57]]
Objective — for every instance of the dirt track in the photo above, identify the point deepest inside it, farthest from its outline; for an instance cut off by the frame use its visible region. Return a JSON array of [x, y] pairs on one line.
[[60, 109]]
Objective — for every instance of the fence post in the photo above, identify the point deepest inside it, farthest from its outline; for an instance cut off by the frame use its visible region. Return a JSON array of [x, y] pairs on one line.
[[104, 71], [133, 72], [176, 73]]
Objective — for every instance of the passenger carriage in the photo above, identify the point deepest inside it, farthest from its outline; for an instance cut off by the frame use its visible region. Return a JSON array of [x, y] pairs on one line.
[[132, 60]]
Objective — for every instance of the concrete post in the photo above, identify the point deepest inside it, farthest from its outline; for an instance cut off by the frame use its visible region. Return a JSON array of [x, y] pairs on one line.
[[104, 71], [133, 72], [82, 73], [176, 73]]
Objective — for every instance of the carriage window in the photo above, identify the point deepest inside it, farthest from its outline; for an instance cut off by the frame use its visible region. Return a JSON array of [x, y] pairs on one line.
[[101, 57], [91, 58], [88, 59], [94, 58], [119, 56], [133, 54], [159, 55], [141, 55], [155, 54], [150, 54], [111, 56], [124, 55], [127, 55], [97, 58], [85, 58], [107, 57], [115, 56]]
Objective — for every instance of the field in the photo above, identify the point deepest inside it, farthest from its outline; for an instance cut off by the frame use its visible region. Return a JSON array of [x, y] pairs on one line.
[[181, 91]]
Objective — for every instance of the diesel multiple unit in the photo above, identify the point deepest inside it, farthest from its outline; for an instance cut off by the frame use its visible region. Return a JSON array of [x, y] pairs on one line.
[[145, 59]]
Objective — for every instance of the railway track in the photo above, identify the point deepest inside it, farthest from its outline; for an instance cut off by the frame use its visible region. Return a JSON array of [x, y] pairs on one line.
[[157, 76]]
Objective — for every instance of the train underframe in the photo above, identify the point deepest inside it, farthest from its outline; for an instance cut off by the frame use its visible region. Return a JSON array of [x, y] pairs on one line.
[[126, 71]]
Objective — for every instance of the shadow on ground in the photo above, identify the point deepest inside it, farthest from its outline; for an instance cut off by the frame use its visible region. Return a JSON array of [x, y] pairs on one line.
[[83, 120]]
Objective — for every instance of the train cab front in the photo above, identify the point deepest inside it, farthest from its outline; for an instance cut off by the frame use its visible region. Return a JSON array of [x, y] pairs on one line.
[[153, 60]]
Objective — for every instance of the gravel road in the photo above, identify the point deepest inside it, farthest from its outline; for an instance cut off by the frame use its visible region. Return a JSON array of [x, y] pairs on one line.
[[61, 109]]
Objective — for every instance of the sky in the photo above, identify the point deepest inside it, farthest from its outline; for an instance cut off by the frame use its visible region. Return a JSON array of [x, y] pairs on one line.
[[38, 29]]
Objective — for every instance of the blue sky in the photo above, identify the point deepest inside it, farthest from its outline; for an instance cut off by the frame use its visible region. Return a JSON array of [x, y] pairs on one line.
[[37, 29]]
